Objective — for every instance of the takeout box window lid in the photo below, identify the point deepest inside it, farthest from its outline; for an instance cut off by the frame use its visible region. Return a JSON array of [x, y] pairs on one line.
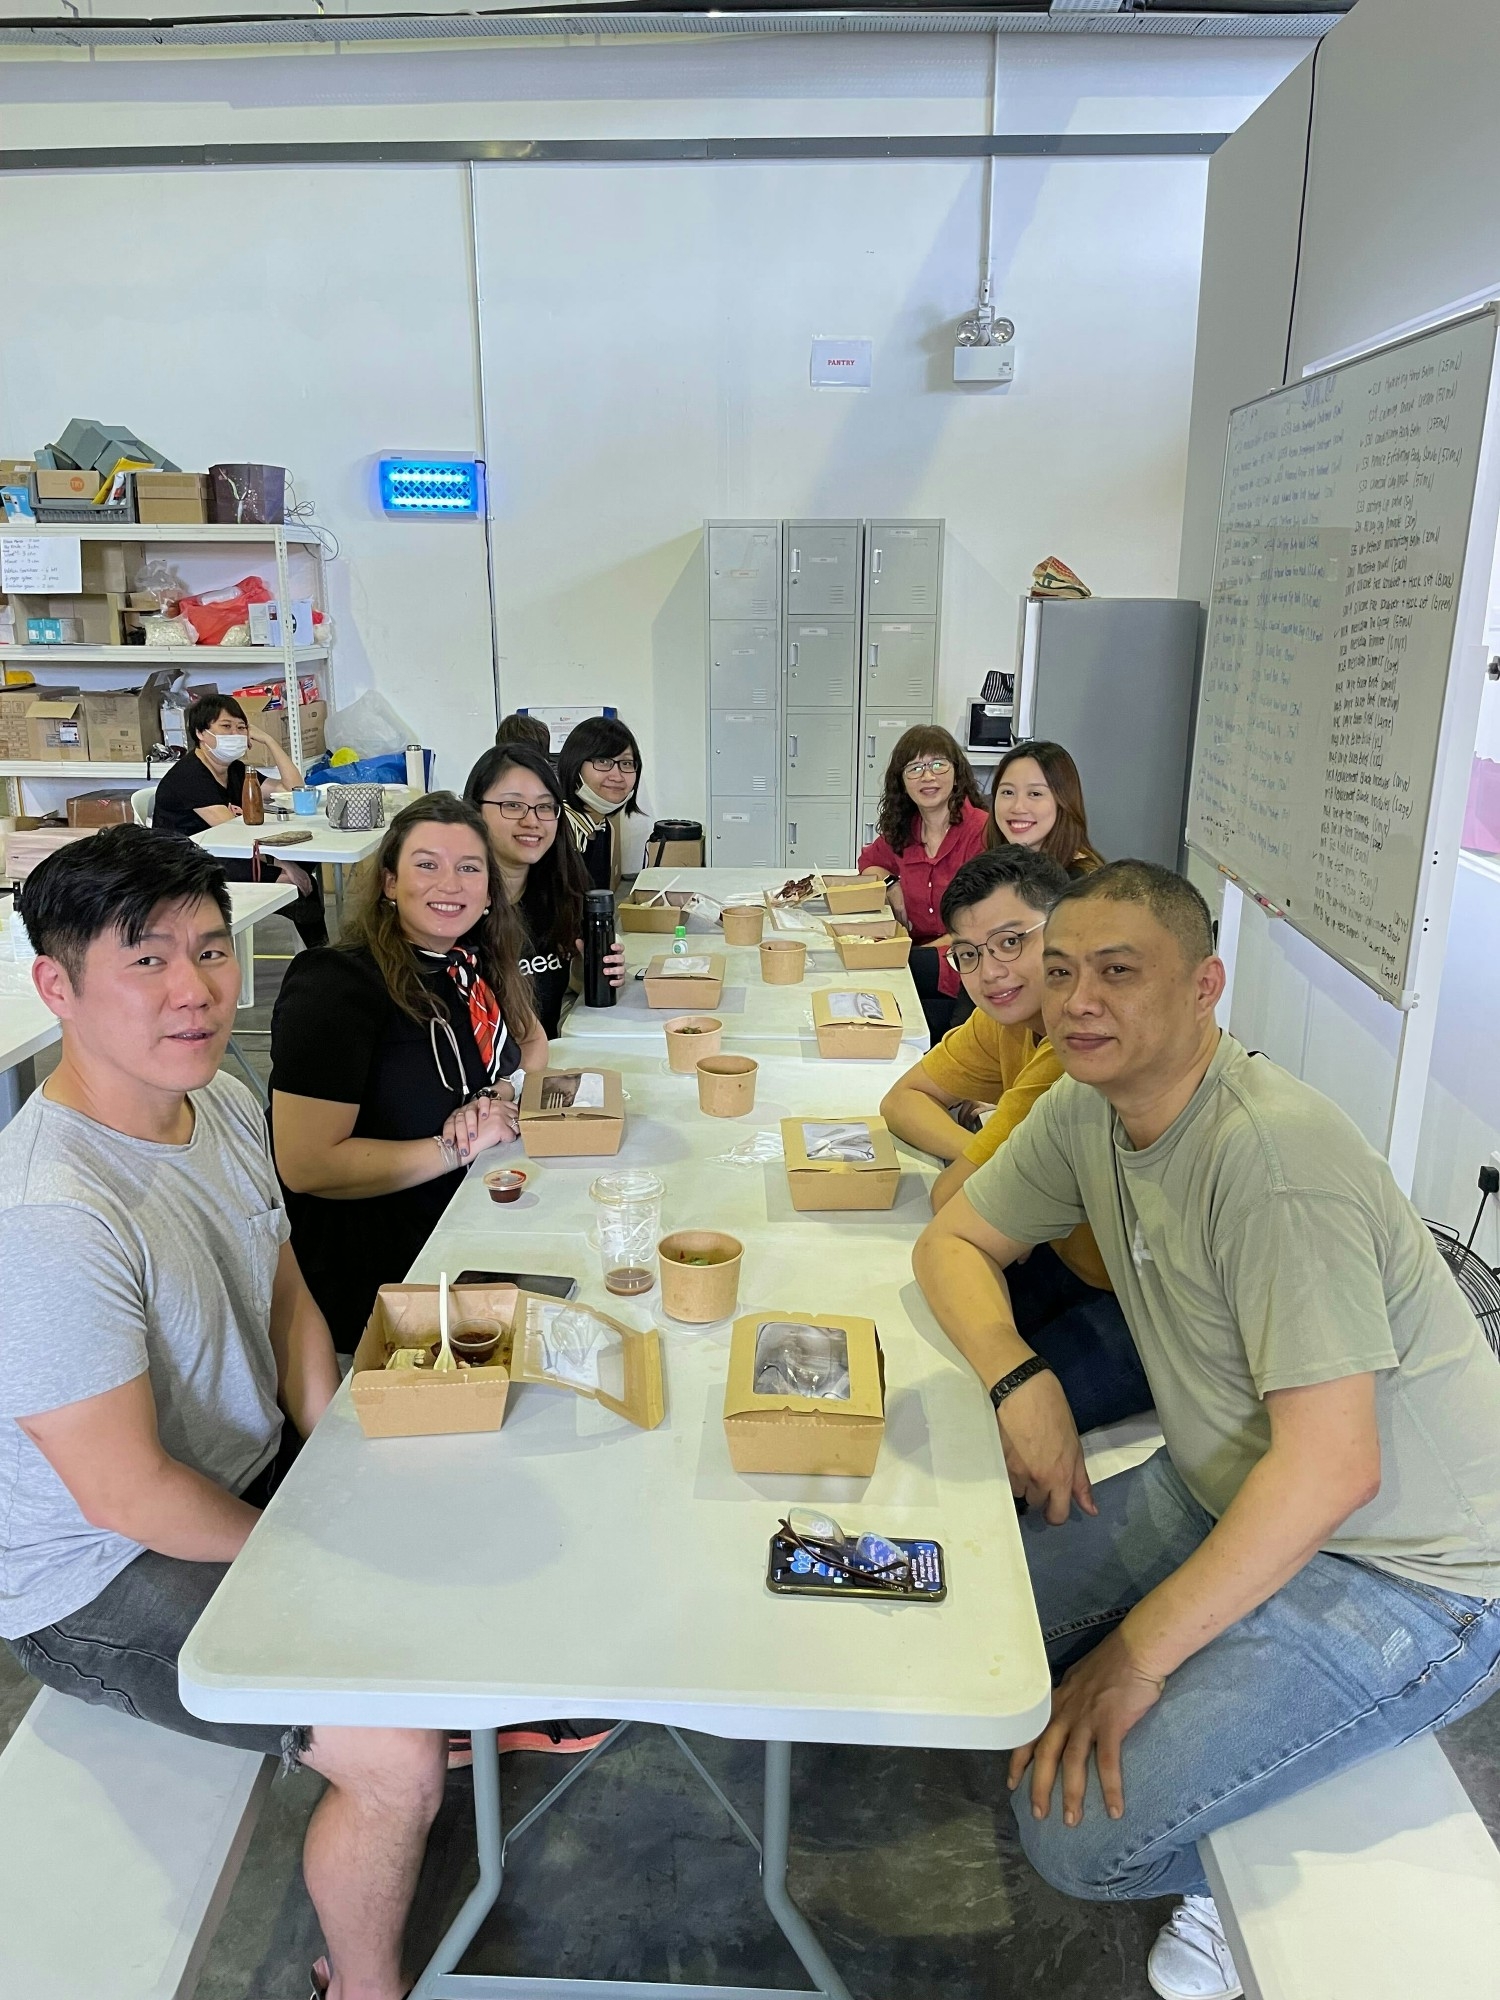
[[870, 944], [578, 1112], [696, 979], [647, 910], [549, 1342], [856, 1022], [848, 895], [771, 1428], [840, 1163]]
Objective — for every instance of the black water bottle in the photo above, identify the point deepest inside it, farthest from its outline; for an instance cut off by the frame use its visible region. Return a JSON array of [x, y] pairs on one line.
[[598, 943]]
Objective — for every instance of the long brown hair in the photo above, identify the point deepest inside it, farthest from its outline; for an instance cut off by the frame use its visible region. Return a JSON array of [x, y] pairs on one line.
[[1067, 841], [898, 812], [497, 938]]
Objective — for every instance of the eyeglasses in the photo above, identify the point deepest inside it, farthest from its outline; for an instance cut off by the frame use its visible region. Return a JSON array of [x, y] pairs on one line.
[[626, 766], [546, 812], [939, 767], [869, 1559], [1002, 946]]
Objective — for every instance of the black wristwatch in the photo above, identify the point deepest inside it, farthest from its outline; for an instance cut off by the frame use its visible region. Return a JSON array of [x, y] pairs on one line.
[[1015, 1378]]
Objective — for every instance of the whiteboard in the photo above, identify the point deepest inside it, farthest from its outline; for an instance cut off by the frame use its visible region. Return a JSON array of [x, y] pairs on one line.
[[1343, 525]]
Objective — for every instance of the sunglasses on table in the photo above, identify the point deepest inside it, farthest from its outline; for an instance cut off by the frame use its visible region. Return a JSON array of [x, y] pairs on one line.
[[1003, 947], [939, 767], [626, 766], [547, 811], [868, 1559]]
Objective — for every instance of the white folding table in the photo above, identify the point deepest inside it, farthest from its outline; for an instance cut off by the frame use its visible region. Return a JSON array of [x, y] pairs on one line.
[[331, 846], [27, 1027], [572, 1565]]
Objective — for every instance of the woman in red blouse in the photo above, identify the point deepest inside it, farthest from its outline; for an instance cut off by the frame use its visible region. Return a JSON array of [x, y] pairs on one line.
[[932, 820]]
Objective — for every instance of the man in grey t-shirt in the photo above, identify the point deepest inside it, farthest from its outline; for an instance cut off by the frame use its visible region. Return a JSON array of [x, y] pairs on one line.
[[155, 1328], [1310, 1571]]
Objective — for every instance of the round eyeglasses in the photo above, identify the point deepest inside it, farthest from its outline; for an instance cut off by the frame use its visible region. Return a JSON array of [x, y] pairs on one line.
[[626, 766], [939, 767], [546, 812], [1003, 948]]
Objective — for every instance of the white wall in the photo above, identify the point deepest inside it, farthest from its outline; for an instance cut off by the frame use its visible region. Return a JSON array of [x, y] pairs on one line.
[[1400, 221], [647, 329]]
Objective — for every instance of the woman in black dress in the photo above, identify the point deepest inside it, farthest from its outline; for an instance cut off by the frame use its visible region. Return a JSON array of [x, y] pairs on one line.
[[395, 1058], [600, 769], [520, 797]]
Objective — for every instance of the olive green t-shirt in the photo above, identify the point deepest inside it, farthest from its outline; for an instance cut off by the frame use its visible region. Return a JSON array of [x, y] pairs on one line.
[[1261, 1243]]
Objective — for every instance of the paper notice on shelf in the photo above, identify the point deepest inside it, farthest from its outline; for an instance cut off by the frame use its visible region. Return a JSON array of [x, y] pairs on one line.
[[42, 563]]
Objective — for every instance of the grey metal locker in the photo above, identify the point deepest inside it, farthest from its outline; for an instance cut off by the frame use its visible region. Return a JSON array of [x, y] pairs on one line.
[[879, 734], [900, 663], [822, 656], [903, 568], [744, 569], [745, 833], [820, 754], [822, 567], [744, 753], [744, 664], [866, 823], [818, 833]]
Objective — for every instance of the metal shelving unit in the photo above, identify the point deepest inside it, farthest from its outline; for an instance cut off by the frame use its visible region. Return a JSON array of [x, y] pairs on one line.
[[123, 666]]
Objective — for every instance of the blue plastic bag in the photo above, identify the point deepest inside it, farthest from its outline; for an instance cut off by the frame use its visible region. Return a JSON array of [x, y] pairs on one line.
[[387, 770]]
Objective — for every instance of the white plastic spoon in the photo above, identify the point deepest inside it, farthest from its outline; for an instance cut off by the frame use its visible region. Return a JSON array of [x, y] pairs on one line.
[[446, 1362]]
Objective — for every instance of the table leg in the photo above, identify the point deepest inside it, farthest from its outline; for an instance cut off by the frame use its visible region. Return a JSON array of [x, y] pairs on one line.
[[776, 1833], [482, 1898], [10, 1093]]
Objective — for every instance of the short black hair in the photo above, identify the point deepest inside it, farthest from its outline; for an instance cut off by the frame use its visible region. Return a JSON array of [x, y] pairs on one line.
[[1036, 878], [1170, 897], [113, 881], [519, 728], [207, 709], [597, 736]]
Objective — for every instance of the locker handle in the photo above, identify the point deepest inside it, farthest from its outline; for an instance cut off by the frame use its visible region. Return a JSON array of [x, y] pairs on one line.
[[870, 753], [875, 653], [791, 746], [796, 561], [879, 557], [792, 662], [791, 832]]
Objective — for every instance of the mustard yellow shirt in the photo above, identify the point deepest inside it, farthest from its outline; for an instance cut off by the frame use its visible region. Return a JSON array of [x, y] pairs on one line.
[[1011, 1067]]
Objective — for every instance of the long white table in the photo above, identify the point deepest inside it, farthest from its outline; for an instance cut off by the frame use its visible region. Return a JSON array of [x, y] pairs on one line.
[[27, 1027], [572, 1565], [232, 840]]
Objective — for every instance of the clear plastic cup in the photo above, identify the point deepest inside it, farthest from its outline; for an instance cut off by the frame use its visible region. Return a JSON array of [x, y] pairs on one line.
[[627, 1223]]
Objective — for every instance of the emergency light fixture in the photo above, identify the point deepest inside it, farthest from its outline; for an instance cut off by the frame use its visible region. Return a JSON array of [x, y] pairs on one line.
[[431, 485]]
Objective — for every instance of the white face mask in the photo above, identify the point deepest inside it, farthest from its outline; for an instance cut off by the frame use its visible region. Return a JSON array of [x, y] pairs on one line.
[[591, 798], [230, 749]]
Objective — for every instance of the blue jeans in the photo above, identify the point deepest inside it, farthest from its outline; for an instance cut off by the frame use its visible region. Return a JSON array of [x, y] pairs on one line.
[[1343, 1662], [1080, 1333]]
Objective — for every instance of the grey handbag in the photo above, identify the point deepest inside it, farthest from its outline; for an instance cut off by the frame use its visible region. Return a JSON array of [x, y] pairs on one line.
[[355, 808]]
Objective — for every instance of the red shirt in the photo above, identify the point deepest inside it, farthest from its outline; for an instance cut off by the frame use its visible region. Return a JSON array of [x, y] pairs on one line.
[[924, 877]]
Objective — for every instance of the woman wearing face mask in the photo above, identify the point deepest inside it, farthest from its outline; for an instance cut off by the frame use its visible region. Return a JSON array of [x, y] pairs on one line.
[[932, 821], [394, 1058], [520, 797], [600, 769], [1037, 802], [204, 788]]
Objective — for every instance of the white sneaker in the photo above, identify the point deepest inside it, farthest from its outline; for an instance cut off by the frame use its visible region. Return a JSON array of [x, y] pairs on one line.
[[1190, 1960]]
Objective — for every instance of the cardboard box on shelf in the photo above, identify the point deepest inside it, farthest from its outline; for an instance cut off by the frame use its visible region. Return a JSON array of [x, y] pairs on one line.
[[858, 1023], [870, 944], [621, 1369], [15, 735], [645, 910], [96, 809], [97, 616], [577, 1111], [80, 486], [53, 632], [849, 895], [684, 984], [265, 623], [55, 731], [273, 721], [124, 723], [839, 1163], [166, 497], [835, 1432], [108, 567]]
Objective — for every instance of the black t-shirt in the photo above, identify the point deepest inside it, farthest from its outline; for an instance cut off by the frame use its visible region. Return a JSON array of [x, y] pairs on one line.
[[337, 1034], [546, 968], [188, 785]]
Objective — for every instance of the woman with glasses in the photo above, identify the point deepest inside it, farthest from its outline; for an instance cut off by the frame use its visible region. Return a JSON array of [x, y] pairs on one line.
[[932, 820], [1037, 802], [520, 798], [600, 769]]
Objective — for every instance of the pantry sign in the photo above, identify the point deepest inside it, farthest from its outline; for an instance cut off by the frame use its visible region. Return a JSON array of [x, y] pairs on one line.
[[841, 364]]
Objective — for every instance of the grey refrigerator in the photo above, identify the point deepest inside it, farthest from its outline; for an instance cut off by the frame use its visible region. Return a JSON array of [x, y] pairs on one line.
[[1113, 679]]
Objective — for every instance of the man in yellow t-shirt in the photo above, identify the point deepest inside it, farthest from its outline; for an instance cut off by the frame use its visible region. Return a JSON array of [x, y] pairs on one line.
[[1065, 1309]]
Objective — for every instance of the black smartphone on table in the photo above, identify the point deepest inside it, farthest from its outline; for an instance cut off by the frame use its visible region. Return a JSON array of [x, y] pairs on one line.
[[526, 1281], [793, 1572]]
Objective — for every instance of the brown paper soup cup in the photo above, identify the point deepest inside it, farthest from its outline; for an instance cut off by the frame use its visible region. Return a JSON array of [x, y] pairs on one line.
[[726, 1085], [783, 961], [700, 1274], [743, 922], [691, 1037]]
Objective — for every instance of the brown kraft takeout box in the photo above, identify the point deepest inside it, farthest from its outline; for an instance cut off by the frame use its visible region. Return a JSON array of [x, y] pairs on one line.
[[838, 1431], [852, 895], [623, 1372], [856, 1022], [572, 1111], [694, 980], [870, 944], [648, 910], [840, 1163]]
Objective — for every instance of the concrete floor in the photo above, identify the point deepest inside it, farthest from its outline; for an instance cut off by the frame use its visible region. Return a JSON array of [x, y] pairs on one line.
[[904, 1861]]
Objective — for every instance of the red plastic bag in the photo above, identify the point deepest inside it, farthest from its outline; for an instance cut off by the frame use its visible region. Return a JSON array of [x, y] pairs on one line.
[[218, 611]]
